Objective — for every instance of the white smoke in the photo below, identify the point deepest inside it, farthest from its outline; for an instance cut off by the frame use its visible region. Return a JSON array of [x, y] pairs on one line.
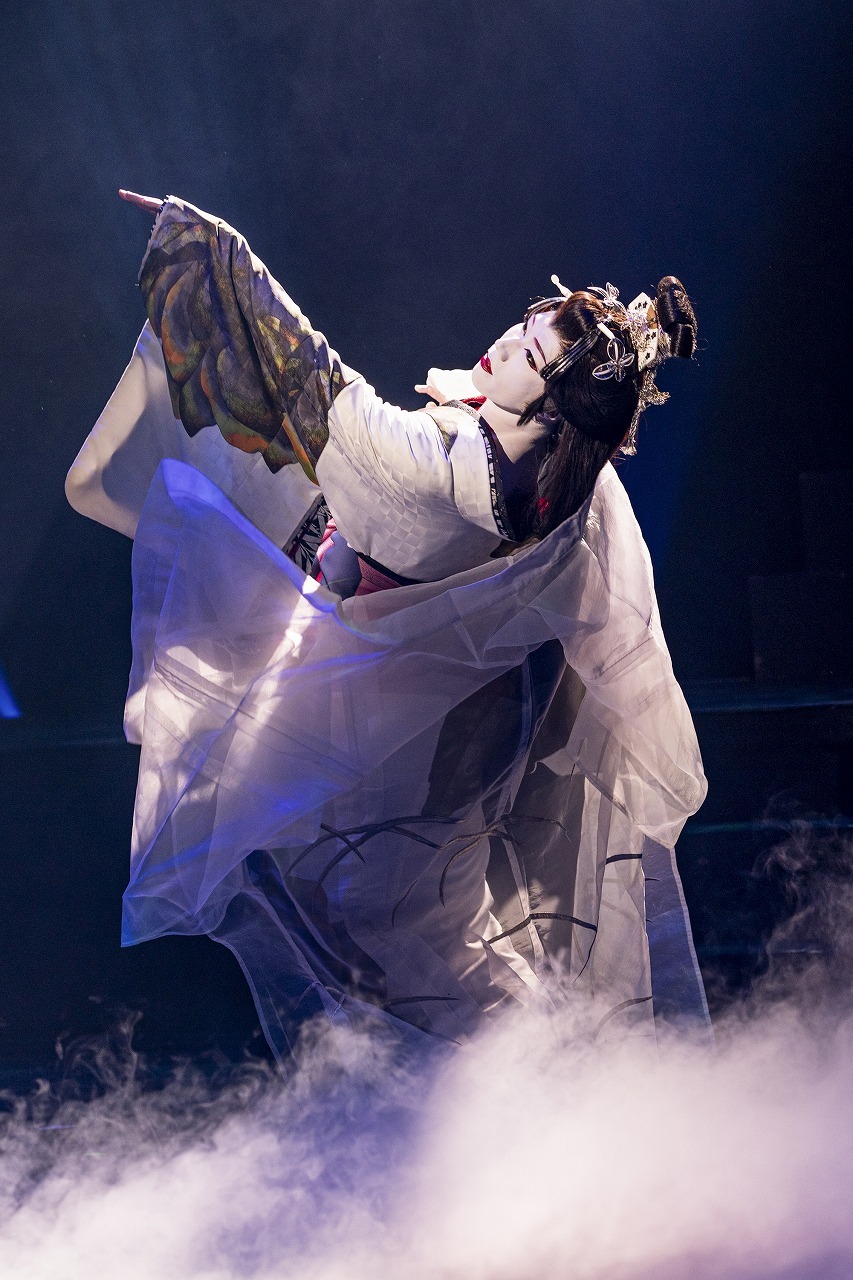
[[527, 1154]]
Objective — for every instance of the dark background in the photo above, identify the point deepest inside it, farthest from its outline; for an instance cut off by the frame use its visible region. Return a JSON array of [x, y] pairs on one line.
[[413, 171]]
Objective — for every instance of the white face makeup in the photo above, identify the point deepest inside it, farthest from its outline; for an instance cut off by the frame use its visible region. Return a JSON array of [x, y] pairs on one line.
[[509, 374]]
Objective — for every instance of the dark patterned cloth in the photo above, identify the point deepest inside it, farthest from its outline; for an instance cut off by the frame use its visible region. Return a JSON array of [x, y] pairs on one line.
[[238, 351], [303, 546]]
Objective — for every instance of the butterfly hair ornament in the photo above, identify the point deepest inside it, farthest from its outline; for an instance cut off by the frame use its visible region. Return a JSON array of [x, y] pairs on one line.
[[640, 338]]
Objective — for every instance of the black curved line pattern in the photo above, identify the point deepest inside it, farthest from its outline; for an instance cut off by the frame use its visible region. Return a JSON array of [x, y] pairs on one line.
[[418, 1000], [474, 840], [623, 857], [351, 846], [366, 832], [400, 902], [618, 1009], [330, 866], [432, 845], [413, 835], [514, 818], [354, 846], [541, 915], [330, 835]]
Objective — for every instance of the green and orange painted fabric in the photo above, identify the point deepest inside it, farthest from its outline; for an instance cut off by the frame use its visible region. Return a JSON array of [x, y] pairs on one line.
[[238, 351]]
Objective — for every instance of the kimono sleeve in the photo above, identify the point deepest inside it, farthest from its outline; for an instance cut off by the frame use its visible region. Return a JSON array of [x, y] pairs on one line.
[[240, 354], [238, 351]]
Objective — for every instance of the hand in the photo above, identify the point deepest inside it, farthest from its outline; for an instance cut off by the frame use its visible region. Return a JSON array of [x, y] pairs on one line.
[[424, 389], [447, 384], [151, 203]]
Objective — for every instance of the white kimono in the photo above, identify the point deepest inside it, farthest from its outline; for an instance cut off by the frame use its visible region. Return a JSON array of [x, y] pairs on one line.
[[432, 802]]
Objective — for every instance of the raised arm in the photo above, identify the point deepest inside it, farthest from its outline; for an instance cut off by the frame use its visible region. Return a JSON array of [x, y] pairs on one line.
[[403, 486], [238, 351]]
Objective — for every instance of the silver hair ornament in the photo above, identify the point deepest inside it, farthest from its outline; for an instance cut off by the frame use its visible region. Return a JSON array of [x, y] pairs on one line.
[[618, 362], [610, 297], [649, 394]]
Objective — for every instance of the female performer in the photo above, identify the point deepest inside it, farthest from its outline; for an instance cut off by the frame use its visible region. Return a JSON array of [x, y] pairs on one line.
[[420, 779]]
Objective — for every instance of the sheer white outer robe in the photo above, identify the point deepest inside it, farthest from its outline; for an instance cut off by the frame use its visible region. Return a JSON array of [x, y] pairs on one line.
[[434, 801]]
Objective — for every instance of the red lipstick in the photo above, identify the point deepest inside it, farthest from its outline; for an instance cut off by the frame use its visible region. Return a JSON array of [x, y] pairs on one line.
[[486, 363]]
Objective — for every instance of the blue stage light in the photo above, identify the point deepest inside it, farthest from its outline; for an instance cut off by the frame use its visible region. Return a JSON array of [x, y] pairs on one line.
[[9, 709]]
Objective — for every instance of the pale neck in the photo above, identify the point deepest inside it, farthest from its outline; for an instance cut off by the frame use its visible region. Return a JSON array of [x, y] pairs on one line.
[[515, 439]]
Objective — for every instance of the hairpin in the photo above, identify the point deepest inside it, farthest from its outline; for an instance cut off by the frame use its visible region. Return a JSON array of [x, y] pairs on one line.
[[610, 298], [571, 354]]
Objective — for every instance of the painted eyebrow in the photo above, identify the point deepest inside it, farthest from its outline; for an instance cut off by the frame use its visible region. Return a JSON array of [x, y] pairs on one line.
[[541, 352]]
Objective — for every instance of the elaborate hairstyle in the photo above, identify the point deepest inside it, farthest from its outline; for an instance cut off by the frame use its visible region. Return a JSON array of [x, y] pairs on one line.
[[596, 390]]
